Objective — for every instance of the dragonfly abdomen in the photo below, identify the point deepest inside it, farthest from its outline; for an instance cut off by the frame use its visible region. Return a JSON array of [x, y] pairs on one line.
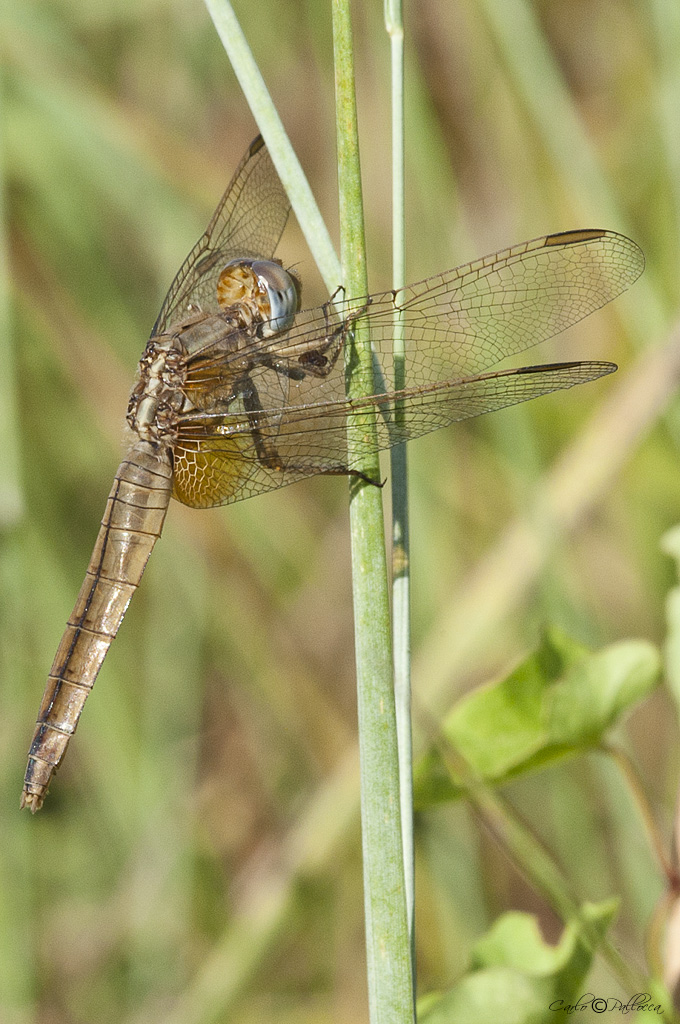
[[132, 523]]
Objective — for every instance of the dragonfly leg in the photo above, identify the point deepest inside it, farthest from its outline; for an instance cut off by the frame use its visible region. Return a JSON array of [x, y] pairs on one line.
[[321, 360], [356, 473], [318, 361], [268, 454]]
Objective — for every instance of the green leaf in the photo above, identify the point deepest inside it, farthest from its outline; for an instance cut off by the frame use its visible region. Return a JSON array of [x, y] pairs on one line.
[[516, 977], [557, 703]]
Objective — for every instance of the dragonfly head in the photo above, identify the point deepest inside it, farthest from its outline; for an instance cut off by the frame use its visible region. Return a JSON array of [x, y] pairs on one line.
[[271, 293]]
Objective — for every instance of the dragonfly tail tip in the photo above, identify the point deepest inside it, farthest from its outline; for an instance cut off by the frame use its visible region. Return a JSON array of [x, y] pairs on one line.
[[31, 800]]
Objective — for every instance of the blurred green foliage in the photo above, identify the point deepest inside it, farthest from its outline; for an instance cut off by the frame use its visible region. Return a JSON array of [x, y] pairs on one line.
[[198, 858], [516, 976], [560, 702]]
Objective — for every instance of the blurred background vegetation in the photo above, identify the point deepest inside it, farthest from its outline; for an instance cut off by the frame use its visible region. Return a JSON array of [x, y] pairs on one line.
[[198, 858]]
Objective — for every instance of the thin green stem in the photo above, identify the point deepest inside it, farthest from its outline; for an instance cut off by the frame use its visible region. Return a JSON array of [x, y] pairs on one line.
[[387, 939], [637, 791], [401, 618], [535, 862]]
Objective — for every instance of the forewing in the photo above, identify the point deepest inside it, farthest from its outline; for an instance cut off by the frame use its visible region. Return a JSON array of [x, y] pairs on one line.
[[217, 459], [455, 325], [463, 321], [249, 221], [468, 319]]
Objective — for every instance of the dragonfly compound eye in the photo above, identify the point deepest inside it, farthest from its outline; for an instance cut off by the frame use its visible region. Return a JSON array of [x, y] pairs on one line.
[[283, 292], [270, 293]]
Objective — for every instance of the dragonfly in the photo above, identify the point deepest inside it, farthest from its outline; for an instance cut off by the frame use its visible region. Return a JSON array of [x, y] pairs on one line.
[[240, 390]]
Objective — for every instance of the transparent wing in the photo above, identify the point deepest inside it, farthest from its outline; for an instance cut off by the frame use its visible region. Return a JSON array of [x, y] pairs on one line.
[[463, 321], [220, 459], [293, 420], [468, 319], [249, 221]]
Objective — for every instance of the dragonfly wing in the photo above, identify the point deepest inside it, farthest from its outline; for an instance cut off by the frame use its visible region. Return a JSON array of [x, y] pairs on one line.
[[470, 318], [465, 320], [249, 221], [220, 460]]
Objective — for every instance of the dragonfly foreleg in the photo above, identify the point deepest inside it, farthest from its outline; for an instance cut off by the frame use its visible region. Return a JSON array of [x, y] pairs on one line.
[[319, 357], [313, 362], [321, 360]]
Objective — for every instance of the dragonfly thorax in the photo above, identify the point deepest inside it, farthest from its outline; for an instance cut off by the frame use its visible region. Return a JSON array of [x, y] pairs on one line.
[[262, 291], [156, 397]]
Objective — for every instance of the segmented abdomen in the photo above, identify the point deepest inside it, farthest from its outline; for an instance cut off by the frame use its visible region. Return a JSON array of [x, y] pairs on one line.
[[132, 523]]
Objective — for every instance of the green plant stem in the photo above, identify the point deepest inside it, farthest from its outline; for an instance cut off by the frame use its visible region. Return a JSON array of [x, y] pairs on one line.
[[535, 862], [388, 949], [637, 792], [401, 617]]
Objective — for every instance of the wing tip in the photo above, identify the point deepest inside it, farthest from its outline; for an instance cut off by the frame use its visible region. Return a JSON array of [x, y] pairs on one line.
[[634, 254]]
